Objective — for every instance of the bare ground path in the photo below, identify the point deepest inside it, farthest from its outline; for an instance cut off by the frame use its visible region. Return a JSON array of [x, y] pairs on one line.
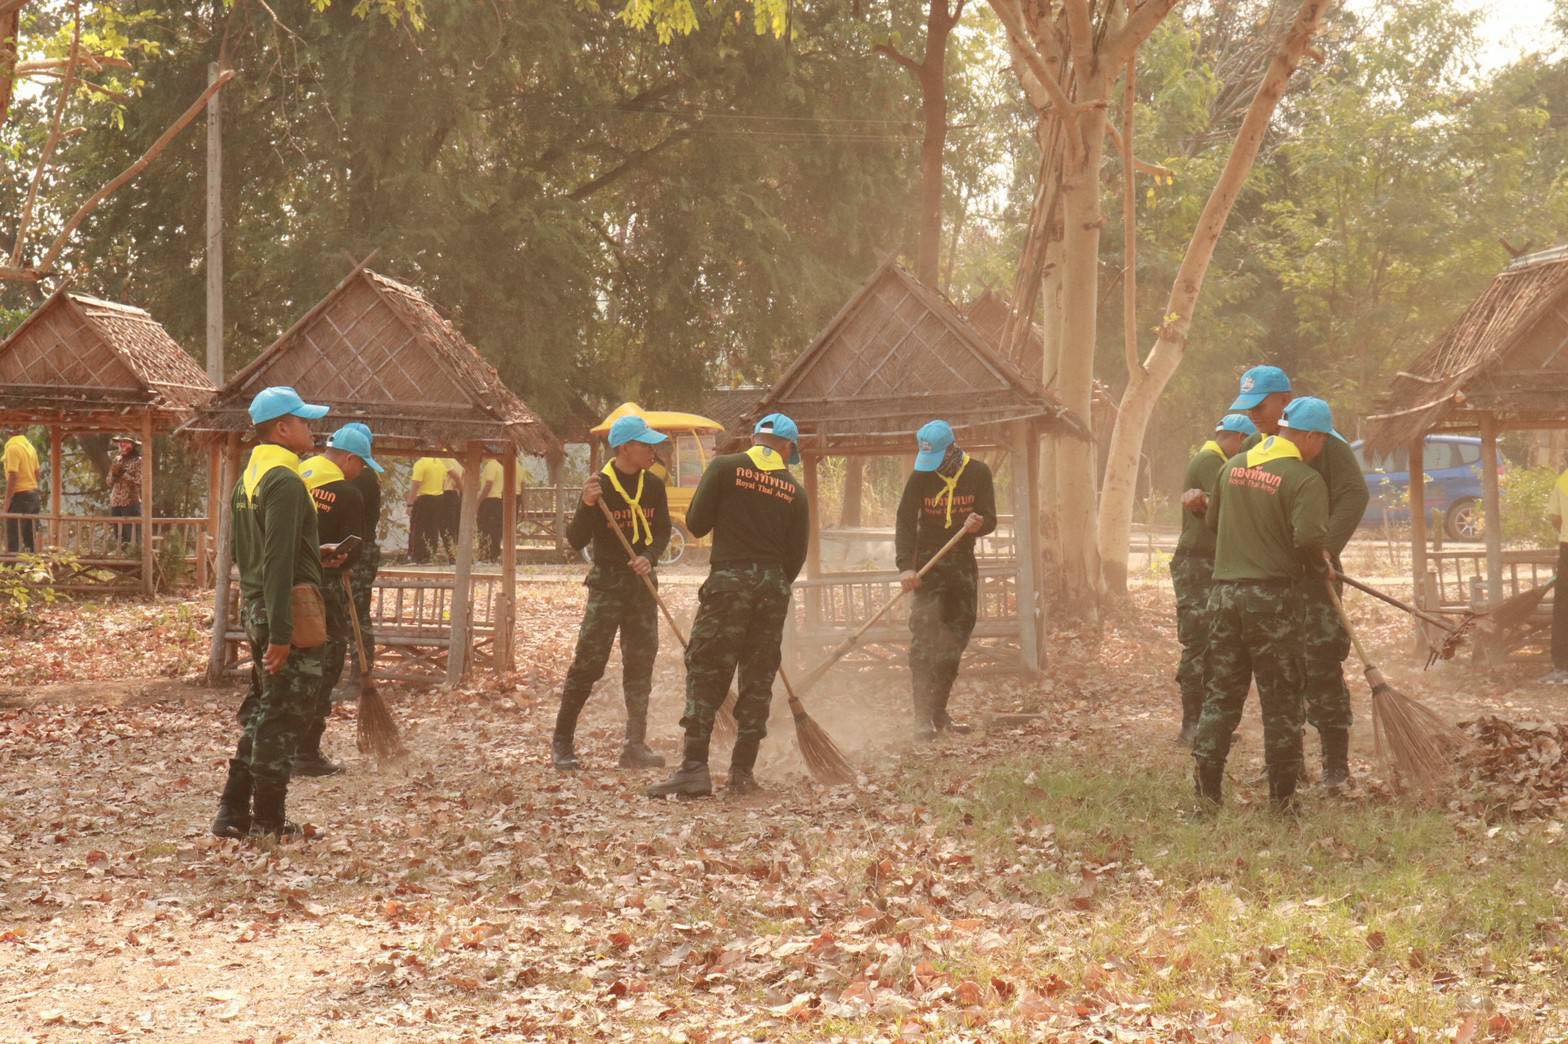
[[1037, 882]]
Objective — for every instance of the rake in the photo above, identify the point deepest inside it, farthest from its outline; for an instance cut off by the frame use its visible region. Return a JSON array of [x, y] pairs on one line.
[[1453, 635], [824, 760]]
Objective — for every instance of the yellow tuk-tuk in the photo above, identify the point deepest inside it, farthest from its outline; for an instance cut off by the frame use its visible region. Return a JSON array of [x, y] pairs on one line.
[[693, 442]]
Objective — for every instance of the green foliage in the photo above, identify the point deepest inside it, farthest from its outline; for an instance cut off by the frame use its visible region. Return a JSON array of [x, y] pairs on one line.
[[26, 585], [1523, 493]]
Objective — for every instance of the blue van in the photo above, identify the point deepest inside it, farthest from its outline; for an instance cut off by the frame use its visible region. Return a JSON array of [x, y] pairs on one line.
[[1453, 484]]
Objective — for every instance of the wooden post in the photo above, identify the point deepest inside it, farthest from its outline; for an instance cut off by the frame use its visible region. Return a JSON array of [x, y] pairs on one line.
[[814, 549], [56, 439], [467, 533], [214, 252], [1027, 590], [149, 585], [218, 505], [1417, 471], [556, 476], [1492, 503], [506, 609]]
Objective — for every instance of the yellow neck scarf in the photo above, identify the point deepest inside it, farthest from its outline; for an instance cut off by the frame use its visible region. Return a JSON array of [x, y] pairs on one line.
[[1272, 448], [263, 459], [640, 523], [952, 486], [317, 471], [765, 458], [1212, 447]]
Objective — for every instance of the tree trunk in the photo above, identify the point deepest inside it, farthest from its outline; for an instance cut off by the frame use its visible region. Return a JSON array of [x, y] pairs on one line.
[[1144, 388], [932, 77], [10, 54], [1050, 295], [1082, 221]]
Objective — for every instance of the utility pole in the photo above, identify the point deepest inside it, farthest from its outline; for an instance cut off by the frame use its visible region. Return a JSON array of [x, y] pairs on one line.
[[214, 234]]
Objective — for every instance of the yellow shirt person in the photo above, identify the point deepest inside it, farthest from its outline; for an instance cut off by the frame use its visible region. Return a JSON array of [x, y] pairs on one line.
[[429, 478], [21, 464]]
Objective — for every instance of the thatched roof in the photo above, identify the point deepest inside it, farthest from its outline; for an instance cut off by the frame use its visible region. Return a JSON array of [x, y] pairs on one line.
[[94, 363], [1507, 357], [988, 313], [898, 354], [376, 351]]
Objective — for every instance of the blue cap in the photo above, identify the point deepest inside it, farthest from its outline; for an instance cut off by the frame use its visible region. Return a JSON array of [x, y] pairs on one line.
[[1258, 384], [784, 428], [363, 429], [355, 439], [634, 429], [1309, 414], [1239, 423], [272, 403], [934, 437]]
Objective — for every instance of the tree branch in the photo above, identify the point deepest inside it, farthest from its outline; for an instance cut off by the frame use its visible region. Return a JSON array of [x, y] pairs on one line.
[[1141, 166], [1129, 229], [53, 140], [900, 57], [630, 164], [1080, 31], [1018, 36], [1124, 44], [146, 158]]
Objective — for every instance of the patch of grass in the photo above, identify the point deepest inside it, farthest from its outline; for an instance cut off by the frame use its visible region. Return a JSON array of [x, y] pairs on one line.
[[1355, 908]]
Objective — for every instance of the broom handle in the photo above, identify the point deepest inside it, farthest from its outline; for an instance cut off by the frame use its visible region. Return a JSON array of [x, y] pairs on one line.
[[849, 643], [646, 580], [353, 615], [1396, 603], [1366, 662]]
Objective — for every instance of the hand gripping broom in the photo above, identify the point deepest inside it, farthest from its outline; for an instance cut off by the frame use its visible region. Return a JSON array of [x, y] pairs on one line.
[[849, 643], [377, 731], [824, 760], [1413, 741]]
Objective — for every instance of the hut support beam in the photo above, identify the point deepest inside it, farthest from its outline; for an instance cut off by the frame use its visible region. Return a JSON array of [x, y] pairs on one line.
[[506, 609], [56, 440], [814, 548], [1024, 545], [1491, 500], [149, 581], [218, 507], [1417, 472], [467, 532]]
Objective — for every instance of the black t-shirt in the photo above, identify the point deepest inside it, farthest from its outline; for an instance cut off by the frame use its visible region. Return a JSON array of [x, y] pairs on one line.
[[369, 487], [340, 511], [923, 527], [588, 524], [755, 510]]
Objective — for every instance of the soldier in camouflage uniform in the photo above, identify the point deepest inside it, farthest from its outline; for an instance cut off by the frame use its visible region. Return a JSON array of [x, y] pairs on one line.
[[1265, 390], [363, 568], [1269, 509], [276, 549], [1192, 566], [946, 492], [761, 524], [618, 599]]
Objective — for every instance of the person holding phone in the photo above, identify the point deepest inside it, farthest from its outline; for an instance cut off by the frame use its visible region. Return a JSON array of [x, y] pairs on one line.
[[340, 519]]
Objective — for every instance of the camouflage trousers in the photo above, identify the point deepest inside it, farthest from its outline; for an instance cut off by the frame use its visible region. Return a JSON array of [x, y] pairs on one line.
[[1325, 644], [739, 628], [940, 622], [280, 708], [1192, 576], [362, 574], [1254, 633], [618, 603], [339, 634]]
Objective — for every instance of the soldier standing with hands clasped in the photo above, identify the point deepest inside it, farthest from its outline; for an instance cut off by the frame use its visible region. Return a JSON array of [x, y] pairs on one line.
[[276, 547]]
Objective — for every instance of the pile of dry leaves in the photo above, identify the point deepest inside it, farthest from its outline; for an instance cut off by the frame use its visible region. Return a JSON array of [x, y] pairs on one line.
[[1515, 769]]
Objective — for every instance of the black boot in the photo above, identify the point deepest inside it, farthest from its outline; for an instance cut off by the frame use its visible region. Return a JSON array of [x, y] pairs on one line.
[[267, 817], [635, 754], [691, 779], [1191, 711], [1208, 778], [1336, 757], [308, 759], [562, 754], [233, 818], [742, 760], [1282, 790]]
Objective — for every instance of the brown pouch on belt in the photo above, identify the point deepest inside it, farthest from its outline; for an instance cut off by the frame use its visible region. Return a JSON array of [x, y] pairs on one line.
[[310, 616]]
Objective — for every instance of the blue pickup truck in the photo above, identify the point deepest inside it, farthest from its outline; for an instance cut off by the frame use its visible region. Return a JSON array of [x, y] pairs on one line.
[[1453, 484]]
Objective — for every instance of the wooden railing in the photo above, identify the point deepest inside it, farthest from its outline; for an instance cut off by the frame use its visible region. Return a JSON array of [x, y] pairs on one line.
[[104, 553], [1457, 582], [542, 515]]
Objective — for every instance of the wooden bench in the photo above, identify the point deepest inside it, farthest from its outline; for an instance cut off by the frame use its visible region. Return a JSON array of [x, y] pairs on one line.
[[1456, 585], [411, 612]]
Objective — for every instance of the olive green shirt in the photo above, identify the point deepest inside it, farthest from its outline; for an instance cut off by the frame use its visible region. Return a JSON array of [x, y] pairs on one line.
[[1348, 495], [1270, 511], [1196, 537], [275, 547]]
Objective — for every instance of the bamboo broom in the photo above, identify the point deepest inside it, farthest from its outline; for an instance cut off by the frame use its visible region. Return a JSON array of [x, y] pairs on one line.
[[376, 731], [1412, 740], [824, 760]]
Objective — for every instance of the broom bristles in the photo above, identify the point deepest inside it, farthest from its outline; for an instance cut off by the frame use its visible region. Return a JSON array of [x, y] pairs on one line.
[[725, 727], [377, 733], [1416, 743], [824, 760]]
